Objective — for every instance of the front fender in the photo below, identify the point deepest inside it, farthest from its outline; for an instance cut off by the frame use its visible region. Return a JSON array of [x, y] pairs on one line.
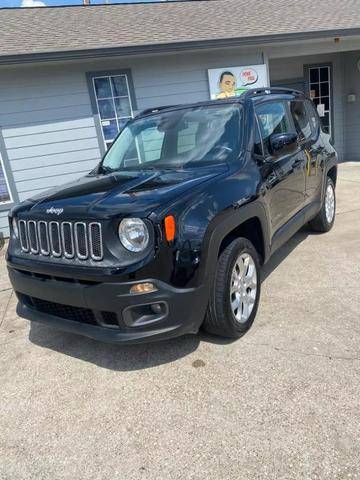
[[221, 226]]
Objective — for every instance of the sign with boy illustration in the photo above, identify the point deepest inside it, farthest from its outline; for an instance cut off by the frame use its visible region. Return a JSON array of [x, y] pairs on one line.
[[233, 81]]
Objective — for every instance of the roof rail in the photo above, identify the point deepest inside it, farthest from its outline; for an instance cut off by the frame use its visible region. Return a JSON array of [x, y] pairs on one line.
[[268, 90], [154, 109]]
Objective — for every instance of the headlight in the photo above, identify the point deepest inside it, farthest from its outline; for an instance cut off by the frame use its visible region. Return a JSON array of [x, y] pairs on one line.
[[15, 227], [133, 234]]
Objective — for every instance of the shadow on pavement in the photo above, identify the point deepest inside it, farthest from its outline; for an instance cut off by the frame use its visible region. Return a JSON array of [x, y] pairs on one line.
[[138, 357], [279, 256], [113, 356]]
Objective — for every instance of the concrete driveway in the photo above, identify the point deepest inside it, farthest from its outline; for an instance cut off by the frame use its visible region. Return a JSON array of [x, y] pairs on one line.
[[283, 402]]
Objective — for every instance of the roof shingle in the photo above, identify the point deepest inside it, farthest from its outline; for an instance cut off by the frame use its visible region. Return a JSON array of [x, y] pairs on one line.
[[60, 29]]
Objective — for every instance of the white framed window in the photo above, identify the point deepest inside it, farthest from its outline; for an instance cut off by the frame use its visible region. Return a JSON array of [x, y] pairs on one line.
[[319, 77], [5, 191], [114, 105]]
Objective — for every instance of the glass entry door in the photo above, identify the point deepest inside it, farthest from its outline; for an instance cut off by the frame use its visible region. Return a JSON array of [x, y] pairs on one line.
[[319, 78]]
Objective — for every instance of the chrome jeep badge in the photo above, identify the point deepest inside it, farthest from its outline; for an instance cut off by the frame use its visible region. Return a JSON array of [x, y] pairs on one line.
[[55, 211]]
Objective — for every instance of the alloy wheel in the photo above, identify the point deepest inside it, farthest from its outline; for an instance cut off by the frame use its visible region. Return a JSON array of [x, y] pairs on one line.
[[329, 203], [243, 287]]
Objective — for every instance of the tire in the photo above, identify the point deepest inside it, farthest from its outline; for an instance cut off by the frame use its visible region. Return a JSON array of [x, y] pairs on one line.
[[324, 220], [220, 317]]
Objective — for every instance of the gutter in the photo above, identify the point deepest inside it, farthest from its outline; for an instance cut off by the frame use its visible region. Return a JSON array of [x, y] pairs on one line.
[[173, 47]]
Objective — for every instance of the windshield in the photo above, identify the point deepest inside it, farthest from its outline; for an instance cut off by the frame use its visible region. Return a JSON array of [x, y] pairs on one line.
[[197, 136]]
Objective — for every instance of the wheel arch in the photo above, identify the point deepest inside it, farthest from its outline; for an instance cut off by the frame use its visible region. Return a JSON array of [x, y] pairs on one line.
[[332, 173], [248, 221]]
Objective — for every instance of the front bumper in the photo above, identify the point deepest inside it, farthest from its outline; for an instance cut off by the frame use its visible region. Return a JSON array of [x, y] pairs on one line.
[[108, 311]]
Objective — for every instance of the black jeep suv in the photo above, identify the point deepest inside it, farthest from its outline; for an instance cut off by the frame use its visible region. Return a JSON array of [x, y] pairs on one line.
[[170, 231]]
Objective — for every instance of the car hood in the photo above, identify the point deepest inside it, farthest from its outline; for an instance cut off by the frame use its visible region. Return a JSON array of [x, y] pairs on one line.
[[136, 193]]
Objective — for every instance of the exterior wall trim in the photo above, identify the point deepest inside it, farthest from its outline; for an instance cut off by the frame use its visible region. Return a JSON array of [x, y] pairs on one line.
[[9, 176], [173, 47], [289, 81]]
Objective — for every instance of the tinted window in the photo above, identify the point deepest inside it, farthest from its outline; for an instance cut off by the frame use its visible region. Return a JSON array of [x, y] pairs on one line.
[[187, 137], [258, 148], [151, 142], [273, 118], [314, 118], [301, 119]]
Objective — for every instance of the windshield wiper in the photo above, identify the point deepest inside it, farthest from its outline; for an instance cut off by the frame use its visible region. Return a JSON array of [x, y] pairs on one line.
[[106, 170]]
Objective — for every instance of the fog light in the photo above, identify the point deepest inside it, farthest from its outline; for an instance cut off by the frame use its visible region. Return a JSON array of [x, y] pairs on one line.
[[156, 308], [143, 288]]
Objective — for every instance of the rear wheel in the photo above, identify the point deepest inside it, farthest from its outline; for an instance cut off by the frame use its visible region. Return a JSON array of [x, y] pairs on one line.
[[324, 220], [236, 291]]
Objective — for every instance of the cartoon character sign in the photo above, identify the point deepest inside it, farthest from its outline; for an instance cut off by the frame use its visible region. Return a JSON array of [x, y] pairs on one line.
[[232, 82], [227, 85]]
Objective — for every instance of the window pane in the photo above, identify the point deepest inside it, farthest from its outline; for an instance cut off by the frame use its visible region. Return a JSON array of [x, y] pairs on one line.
[[325, 120], [122, 123], [122, 106], [187, 137], [324, 89], [102, 87], [110, 129], [113, 104], [106, 108], [314, 75], [4, 192], [316, 89], [272, 119], [152, 141], [119, 85], [324, 74]]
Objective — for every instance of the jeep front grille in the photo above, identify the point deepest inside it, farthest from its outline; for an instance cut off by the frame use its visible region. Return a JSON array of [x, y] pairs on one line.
[[62, 239]]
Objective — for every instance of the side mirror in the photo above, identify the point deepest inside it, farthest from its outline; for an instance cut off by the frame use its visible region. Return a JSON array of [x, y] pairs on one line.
[[283, 143]]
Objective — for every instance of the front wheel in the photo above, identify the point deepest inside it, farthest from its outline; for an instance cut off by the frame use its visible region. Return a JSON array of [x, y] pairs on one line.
[[235, 294], [324, 220]]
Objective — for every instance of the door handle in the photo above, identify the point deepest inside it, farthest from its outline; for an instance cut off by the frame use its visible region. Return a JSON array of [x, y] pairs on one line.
[[298, 161]]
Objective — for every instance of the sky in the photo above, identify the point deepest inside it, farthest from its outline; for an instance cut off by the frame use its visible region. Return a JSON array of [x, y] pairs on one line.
[[52, 3]]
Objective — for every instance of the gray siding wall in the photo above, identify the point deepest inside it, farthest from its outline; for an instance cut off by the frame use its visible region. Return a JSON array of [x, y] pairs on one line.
[[293, 68], [352, 110], [46, 118]]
